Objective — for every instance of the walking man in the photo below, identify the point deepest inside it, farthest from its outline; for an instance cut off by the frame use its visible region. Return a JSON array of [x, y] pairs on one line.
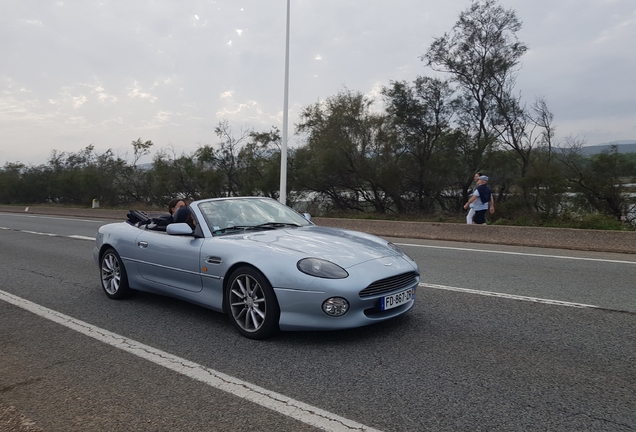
[[471, 212], [481, 200]]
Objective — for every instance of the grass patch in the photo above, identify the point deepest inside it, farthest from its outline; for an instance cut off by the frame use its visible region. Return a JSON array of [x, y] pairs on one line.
[[592, 221]]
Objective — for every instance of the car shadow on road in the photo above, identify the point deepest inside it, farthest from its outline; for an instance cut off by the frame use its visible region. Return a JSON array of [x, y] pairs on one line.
[[393, 329]]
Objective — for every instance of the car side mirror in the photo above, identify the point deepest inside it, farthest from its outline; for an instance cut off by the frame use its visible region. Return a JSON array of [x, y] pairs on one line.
[[307, 216], [179, 229]]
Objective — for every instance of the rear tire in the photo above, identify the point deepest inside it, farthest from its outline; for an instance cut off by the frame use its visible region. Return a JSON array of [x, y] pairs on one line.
[[251, 303], [113, 275]]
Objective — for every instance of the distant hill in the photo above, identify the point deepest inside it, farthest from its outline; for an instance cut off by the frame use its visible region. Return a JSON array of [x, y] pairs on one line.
[[623, 146]]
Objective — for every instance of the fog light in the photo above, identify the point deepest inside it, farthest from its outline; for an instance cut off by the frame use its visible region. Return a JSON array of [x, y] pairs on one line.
[[335, 306]]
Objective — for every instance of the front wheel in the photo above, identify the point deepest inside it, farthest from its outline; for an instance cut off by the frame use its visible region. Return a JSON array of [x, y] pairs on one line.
[[113, 275], [252, 304]]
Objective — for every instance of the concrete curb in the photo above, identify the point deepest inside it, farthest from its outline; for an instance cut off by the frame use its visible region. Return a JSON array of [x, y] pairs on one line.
[[559, 238]]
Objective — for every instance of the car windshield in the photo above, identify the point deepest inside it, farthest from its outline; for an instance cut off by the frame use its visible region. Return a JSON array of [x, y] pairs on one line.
[[225, 216]]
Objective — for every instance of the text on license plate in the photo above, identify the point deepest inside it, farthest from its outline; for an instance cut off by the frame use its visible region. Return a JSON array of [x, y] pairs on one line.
[[395, 300]]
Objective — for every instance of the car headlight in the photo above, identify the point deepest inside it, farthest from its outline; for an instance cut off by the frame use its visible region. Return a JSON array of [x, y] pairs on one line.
[[321, 268], [335, 306]]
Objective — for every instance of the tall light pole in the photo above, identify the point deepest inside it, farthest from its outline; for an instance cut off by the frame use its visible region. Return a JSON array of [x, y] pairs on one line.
[[283, 150]]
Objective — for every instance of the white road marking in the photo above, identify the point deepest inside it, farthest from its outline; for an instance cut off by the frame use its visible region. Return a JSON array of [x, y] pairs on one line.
[[516, 253], [74, 219], [39, 233], [284, 405], [80, 237], [509, 296]]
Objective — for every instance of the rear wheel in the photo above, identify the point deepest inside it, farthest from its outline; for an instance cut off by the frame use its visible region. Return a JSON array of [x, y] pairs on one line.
[[113, 275], [252, 304]]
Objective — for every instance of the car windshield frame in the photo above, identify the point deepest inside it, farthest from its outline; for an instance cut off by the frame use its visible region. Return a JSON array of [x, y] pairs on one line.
[[232, 215]]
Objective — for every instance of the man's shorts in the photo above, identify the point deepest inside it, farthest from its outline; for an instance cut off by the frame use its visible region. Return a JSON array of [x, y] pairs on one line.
[[480, 217]]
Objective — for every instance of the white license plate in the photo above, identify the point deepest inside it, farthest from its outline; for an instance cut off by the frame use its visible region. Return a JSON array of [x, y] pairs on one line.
[[395, 300]]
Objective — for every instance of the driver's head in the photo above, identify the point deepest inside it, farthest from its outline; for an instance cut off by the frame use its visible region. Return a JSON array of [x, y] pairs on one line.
[[175, 205]]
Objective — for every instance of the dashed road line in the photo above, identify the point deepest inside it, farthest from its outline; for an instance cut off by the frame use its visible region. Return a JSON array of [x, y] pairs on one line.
[[510, 296], [77, 237], [75, 219], [39, 233], [80, 237], [515, 253]]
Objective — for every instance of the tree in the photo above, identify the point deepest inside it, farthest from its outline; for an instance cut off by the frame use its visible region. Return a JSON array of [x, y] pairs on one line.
[[15, 184], [131, 180], [349, 155], [140, 149], [259, 163], [481, 55], [420, 114], [544, 120], [602, 180], [226, 160], [190, 177]]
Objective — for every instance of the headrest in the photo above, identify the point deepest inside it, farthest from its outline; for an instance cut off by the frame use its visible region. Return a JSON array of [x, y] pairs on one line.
[[182, 214]]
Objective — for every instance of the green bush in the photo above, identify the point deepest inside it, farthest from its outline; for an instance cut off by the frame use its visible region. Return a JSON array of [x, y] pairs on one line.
[[593, 221]]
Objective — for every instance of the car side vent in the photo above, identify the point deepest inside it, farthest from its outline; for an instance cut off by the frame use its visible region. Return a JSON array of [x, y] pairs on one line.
[[394, 283]]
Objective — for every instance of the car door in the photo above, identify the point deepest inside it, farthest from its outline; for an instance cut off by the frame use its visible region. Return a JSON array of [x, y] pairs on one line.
[[169, 260]]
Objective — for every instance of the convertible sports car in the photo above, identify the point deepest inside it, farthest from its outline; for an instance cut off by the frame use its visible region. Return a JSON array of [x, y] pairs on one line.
[[265, 265]]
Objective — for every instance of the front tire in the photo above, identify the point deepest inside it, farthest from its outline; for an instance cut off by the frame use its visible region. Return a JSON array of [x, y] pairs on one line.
[[251, 303], [113, 275]]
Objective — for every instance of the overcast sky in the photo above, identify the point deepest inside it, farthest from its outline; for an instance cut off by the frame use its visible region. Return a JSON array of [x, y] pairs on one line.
[[83, 72]]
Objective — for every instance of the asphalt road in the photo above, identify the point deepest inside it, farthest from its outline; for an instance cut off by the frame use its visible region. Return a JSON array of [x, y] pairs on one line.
[[501, 338]]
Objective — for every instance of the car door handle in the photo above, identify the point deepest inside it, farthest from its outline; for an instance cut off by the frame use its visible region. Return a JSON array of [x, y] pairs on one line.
[[213, 260], [142, 244]]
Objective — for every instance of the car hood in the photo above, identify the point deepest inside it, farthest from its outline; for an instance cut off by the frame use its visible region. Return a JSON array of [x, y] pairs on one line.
[[343, 247]]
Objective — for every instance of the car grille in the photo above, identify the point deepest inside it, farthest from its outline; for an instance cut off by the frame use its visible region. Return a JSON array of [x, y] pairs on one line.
[[387, 285]]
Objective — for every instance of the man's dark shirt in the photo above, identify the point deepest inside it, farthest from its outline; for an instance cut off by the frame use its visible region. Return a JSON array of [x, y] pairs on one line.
[[484, 193]]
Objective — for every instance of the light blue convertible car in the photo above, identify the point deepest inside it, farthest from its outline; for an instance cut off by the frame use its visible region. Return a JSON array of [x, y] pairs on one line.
[[265, 265]]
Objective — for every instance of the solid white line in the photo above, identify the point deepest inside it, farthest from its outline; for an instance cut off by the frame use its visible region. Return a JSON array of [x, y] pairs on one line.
[[509, 296], [284, 405], [516, 253]]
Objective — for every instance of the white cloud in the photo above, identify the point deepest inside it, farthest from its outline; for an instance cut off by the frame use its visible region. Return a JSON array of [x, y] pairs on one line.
[[376, 95], [136, 92], [619, 30], [36, 23], [78, 101], [100, 92], [12, 108], [163, 117]]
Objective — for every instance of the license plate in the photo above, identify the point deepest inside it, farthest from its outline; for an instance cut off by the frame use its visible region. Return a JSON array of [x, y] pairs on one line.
[[395, 300]]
